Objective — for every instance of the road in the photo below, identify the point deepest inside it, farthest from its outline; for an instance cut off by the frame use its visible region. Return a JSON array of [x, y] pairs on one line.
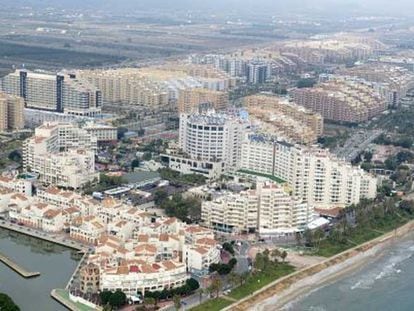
[[242, 257], [356, 144]]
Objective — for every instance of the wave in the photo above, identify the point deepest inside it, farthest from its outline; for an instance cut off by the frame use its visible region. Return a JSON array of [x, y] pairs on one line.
[[385, 269]]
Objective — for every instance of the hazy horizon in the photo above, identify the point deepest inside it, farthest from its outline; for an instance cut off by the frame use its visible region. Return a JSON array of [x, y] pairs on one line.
[[255, 6]]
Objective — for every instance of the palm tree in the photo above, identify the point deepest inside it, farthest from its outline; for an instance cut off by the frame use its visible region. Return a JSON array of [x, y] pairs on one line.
[[177, 302], [283, 255], [276, 253]]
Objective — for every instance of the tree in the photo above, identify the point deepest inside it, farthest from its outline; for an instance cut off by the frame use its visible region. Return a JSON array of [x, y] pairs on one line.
[[276, 253], [105, 295], [193, 284], [117, 299], [177, 302], [160, 196], [228, 248], [259, 262], [15, 156], [7, 304], [283, 255], [135, 163], [233, 278], [215, 286], [149, 301]]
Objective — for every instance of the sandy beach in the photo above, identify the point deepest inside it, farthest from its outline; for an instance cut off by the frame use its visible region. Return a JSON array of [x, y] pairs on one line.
[[280, 293]]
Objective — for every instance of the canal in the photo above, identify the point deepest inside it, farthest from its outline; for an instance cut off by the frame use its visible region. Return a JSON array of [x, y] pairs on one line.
[[54, 262]]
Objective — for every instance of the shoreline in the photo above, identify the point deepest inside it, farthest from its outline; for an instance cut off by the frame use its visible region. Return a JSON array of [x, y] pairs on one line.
[[286, 290], [33, 233]]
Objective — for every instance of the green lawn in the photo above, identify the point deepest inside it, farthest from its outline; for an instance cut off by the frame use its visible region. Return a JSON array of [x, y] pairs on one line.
[[215, 304], [261, 279], [328, 248]]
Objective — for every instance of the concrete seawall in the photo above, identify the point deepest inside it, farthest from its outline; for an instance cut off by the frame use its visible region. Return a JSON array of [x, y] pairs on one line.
[[14, 266]]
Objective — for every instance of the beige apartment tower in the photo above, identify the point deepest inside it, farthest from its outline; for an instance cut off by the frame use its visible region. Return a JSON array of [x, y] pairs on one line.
[[11, 112]]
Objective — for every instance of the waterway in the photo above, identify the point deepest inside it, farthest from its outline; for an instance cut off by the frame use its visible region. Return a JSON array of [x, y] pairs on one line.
[[54, 262], [384, 284]]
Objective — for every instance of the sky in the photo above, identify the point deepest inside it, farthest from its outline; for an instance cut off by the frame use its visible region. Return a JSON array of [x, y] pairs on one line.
[[283, 6]]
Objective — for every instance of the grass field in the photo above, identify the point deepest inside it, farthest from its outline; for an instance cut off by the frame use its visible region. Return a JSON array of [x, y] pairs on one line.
[[261, 279], [216, 304]]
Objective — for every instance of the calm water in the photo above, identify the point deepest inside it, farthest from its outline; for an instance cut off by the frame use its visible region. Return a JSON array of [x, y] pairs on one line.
[[55, 263], [385, 284]]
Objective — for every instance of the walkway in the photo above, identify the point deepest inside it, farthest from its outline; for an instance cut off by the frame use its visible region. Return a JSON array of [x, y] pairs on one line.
[[57, 238], [20, 270]]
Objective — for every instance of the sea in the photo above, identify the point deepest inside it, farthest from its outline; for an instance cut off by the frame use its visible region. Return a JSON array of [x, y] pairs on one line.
[[54, 262], [384, 284]]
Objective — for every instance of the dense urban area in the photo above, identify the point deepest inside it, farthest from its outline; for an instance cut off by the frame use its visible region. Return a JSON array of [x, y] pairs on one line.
[[194, 159]]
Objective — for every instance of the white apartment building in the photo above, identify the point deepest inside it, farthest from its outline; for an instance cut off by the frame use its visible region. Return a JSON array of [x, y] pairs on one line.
[[62, 92], [313, 174], [268, 210], [104, 133], [209, 144], [62, 155]]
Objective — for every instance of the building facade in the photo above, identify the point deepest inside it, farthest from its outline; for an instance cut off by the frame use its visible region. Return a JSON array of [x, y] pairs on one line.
[[11, 112], [313, 174], [63, 93]]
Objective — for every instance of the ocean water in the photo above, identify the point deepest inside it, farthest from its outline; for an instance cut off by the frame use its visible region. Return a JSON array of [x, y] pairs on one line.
[[384, 284]]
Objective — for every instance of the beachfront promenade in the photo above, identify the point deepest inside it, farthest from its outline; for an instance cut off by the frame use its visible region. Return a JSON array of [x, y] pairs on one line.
[[20, 270], [57, 238]]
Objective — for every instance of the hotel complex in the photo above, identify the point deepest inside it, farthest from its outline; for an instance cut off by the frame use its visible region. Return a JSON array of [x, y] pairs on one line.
[[63, 93], [313, 174], [209, 144]]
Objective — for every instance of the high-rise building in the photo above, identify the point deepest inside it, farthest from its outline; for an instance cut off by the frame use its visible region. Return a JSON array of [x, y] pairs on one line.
[[62, 92], [268, 210], [209, 144], [341, 100], [11, 112], [62, 155], [257, 72], [193, 100], [313, 174], [283, 118]]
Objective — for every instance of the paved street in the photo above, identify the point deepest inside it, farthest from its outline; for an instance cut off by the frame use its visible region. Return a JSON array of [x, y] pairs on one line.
[[357, 143]]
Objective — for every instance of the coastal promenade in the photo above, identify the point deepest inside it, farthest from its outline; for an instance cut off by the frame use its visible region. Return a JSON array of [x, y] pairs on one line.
[[57, 238], [283, 290], [14, 266]]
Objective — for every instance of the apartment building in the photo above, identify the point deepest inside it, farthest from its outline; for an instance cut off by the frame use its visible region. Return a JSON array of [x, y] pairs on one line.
[[279, 116], [196, 99], [268, 210], [63, 92], [341, 100], [313, 174], [61, 154], [11, 112], [209, 144], [396, 81], [104, 133]]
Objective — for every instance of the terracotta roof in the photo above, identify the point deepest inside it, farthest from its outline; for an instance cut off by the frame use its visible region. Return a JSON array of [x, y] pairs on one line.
[[146, 248], [143, 238], [207, 241], [51, 213]]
